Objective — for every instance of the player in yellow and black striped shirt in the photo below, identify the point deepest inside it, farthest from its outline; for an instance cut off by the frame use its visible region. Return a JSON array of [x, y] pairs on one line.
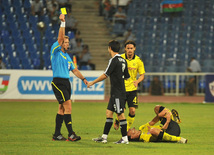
[[135, 67]]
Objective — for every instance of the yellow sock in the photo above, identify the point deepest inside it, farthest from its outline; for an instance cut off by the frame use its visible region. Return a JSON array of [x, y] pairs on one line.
[[117, 119], [168, 137], [130, 121]]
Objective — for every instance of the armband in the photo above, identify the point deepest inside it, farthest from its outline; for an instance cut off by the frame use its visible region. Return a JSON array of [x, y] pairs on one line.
[[62, 24], [83, 79]]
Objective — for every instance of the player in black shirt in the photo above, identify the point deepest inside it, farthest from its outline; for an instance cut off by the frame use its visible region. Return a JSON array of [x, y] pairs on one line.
[[118, 71]]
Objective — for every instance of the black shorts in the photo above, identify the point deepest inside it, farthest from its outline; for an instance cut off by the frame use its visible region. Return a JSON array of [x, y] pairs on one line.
[[62, 89], [116, 105], [131, 98], [173, 128]]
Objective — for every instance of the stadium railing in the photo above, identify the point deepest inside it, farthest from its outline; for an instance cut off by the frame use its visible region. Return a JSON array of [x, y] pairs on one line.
[[174, 83]]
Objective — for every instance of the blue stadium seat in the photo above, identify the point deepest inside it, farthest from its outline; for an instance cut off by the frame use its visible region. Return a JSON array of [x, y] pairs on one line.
[[118, 29], [85, 67], [15, 63], [17, 3], [26, 63], [33, 19]]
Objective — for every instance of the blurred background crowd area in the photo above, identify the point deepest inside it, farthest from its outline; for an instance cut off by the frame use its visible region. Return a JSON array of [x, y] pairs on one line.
[[166, 39]]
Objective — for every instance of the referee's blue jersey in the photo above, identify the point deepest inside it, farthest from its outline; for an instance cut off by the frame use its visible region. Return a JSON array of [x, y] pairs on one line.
[[61, 62]]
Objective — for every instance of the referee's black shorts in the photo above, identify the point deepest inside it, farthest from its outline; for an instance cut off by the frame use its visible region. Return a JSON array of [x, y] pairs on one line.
[[62, 89]]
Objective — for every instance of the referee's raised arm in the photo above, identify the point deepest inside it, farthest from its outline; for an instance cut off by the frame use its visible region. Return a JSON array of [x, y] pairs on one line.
[[61, 34]]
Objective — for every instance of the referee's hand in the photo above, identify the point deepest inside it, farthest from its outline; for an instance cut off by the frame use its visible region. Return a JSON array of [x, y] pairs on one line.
[[62, 17], [86, 82]]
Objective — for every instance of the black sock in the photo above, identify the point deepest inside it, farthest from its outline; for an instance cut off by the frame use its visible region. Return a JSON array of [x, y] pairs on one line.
[[59, 121], [123, 127], [108, 124], [160, 136], [68, 123]]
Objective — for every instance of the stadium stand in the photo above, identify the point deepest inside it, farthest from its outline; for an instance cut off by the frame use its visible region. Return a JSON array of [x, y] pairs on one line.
[[170, 40], [165, 40]]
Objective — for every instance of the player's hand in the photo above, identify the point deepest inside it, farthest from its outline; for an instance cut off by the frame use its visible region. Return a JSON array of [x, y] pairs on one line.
[[62, 17], [89, 84], [164, 127], [135, 83]]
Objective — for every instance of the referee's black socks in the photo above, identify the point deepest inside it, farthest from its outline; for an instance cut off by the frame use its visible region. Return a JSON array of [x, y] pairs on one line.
[[59, 121], [68, 123]]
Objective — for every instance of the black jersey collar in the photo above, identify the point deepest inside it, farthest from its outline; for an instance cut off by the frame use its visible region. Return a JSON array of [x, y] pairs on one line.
[[132, 58]]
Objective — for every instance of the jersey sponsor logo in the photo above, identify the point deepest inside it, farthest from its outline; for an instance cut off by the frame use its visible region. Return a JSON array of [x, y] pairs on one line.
[[42, 85], [131, 68], [211, 87], [4, 81]]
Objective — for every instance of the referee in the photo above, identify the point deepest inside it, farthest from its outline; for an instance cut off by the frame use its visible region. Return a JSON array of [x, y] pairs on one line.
[[61, 65]]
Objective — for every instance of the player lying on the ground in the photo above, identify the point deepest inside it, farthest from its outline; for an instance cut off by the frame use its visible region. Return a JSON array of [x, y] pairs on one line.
[[152, 134], [170, 131]]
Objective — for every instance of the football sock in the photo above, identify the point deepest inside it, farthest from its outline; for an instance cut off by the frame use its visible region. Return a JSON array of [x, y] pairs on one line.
[[130, 121], [163, 136], [108, 124], [59, 121], [117, 119], [68, 123], [104, 136], [123, 127], [171, 138]]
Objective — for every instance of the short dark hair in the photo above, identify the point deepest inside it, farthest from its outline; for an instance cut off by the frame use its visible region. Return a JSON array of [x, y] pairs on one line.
[[130, 42], [114, 45]]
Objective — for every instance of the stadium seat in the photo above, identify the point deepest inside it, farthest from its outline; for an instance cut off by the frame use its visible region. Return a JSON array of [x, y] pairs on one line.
[[15, 63], [85, 67], [118, 29], [26, 63]]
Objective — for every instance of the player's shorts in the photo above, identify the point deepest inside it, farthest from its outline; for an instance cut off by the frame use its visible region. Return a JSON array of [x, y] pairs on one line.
[[62, 89], [116, 105], [131, 98], [173, 129]]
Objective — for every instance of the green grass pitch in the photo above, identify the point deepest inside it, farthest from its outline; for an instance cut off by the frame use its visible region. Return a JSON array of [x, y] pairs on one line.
[[27, 127]]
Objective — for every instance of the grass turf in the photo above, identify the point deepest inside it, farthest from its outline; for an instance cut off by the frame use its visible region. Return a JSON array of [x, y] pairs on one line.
[[27, 128]]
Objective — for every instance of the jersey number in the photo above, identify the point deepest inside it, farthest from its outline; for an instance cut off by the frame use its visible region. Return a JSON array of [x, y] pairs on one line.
[[123, 67]]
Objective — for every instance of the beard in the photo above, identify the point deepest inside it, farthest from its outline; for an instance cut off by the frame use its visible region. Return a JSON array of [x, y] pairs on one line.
[[129, 55]]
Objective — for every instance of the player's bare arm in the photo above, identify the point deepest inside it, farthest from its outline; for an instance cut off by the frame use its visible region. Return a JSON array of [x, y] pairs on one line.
[[154, 121], [100, 78], [138, 80], [165, 113]]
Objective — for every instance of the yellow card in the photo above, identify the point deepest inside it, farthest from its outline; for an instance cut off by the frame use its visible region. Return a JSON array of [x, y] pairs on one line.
[[63, 11]]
